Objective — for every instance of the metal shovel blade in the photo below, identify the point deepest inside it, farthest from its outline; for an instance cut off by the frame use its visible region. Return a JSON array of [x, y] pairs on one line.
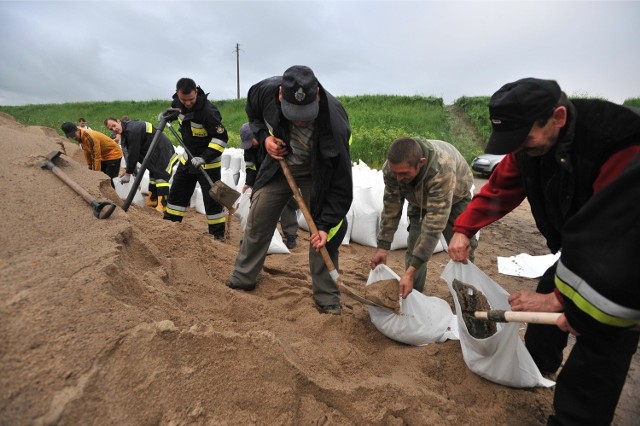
[[354, 295]]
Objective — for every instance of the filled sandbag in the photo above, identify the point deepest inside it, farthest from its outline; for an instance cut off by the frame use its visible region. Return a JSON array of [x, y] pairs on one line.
[[422, 319], [502, 357]]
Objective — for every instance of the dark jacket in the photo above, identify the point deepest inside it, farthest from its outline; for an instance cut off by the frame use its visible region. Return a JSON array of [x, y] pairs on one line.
[[597, 273], [332, 187], [201, 128], [559, 183], [137, 137], [253, 158]]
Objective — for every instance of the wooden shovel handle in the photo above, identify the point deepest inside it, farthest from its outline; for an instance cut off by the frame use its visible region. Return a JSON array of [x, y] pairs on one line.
[[519, 316], [305, 212]]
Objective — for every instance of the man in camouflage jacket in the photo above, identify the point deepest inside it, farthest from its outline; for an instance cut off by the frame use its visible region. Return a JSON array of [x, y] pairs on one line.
[[436, 181]]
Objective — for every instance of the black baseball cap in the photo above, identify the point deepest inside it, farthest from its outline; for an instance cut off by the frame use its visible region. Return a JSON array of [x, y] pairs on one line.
[[515, 108], [299, 94], [69, 129]]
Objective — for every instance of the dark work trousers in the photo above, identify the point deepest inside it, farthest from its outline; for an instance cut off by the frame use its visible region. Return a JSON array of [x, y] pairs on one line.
[[415, 229], [111, 168], [589, 384], [266, 206], [546, 343], [182, 187], [289, 219]]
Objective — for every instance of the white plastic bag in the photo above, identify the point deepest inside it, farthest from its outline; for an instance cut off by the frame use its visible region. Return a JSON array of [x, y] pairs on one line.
[[501, 358], [422, 319], [122, 189], [277, 246]]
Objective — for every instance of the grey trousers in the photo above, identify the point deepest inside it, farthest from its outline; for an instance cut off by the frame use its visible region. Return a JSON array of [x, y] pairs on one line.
[[289, 218], [420, 276], [266, 207]]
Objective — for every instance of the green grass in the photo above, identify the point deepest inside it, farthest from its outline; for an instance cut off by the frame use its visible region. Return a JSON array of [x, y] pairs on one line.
[[376, 120]]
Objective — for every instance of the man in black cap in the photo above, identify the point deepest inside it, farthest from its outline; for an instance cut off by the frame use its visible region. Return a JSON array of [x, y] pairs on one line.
[[100, 151], [253, 157], [296, 120], [562, 155]]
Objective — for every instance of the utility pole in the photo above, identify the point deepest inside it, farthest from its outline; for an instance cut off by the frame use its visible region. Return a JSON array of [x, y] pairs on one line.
[[238, 68]]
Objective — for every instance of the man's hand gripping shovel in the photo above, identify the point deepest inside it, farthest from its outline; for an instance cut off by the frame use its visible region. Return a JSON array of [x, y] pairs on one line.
[[219, 191], [323, 251]]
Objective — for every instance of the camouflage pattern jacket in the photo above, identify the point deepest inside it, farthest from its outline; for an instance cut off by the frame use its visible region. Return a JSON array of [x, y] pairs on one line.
[[445, 179]]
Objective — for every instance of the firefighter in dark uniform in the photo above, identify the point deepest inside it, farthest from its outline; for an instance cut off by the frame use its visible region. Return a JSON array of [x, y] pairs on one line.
[[206, 138], [136, 136]]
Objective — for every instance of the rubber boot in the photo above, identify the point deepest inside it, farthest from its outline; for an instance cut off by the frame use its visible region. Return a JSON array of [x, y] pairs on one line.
[[151, 203], [162, 204]]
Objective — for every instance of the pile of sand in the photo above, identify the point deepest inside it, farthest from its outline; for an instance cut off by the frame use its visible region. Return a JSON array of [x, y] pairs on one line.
[[128, 321]]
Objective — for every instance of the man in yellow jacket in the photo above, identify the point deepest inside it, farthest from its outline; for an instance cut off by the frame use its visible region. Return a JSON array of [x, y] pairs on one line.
[[100, 151]]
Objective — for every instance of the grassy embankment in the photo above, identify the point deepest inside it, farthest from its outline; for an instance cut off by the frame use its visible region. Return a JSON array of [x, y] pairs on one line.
[[376, 120]]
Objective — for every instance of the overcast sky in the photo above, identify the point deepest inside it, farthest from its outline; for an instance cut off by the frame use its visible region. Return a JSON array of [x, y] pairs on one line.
[[55, 51]]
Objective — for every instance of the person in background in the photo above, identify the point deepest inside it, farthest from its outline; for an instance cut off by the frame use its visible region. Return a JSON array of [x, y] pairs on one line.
[[295, 119], [100, 152], [576, 162], [253, 158], [206, 138], [82, 123], [436, 181], [137, 136]]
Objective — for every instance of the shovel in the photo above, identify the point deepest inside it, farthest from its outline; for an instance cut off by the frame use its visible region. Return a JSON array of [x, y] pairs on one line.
[[219, 191], [101, 209], [471, 301], [323, 251]]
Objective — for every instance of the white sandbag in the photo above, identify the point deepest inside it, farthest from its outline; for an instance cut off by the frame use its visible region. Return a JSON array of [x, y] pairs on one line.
[[123, 191], [367, 205], [277, 246], [302, 222], [422, 319], [144, 183], [242, 212], [347, 236], [199, 201], [501, 358], [402, 233]]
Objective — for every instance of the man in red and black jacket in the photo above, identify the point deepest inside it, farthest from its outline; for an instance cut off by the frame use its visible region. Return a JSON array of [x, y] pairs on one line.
[[559, 153]]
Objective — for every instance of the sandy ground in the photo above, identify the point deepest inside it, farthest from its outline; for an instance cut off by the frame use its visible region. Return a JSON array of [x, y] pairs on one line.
[[127, 321]]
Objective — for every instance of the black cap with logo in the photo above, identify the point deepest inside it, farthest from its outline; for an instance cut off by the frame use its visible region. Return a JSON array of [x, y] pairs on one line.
[[299, 94], [515, 108]]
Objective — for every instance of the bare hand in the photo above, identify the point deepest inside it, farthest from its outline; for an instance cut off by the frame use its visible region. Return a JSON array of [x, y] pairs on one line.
[[318, 240], [406, 282], [459, 248], [525, 300], [380, 256], [564, 325], [275, 147], [245, 187]]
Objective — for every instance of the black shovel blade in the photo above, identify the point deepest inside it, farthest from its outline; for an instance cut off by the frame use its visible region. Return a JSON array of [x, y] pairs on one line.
[[103, 209]]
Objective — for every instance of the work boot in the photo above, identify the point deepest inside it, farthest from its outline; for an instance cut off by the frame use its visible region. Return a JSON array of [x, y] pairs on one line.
[[331, 309], [162, 204], [291, 242], [151, 202]]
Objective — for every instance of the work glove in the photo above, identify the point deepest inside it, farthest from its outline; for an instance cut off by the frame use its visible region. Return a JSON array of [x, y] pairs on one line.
[[169, 115], [197, 162], [125, 179]]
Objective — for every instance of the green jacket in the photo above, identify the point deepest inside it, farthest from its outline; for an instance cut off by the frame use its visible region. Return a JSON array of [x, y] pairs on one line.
[[445, 179]]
